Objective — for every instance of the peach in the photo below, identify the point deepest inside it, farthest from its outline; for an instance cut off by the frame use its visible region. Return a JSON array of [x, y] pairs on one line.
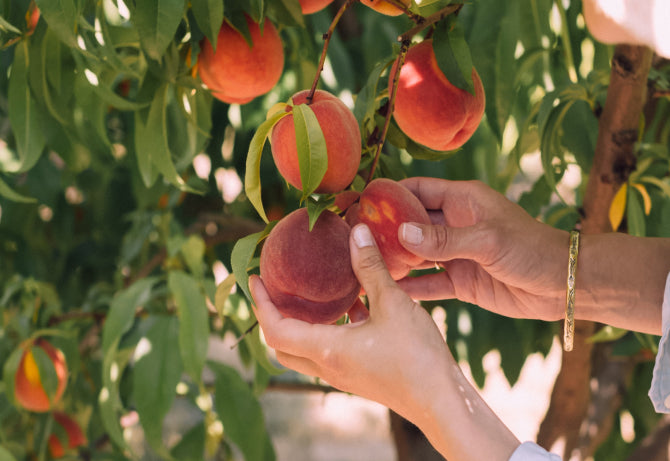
[[75, 436], [343, 142], [237, 72], [428, 108], [28, 389], [308, 275], [384, 7], [312, 6], [383, 206]]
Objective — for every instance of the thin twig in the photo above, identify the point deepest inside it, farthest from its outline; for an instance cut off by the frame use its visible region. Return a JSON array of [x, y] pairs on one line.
[[326, 37], [400, 60], [429, 21], [244, 335]]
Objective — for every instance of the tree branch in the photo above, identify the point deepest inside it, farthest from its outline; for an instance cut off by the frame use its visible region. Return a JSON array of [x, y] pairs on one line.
[[614, 160]]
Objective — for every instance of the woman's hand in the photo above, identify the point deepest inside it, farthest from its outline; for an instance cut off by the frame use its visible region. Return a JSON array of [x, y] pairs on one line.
[[396, 356], [384, 357], [493, 253]]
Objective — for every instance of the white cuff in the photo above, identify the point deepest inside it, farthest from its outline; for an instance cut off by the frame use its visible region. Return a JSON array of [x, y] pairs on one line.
[[529, 451], [659, 393]]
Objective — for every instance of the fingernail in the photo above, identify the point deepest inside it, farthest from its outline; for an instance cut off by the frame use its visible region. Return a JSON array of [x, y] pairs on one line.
[[363, 237], [412, 234]]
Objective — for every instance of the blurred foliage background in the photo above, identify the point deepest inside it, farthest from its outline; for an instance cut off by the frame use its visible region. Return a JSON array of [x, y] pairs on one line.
[[121, 200]]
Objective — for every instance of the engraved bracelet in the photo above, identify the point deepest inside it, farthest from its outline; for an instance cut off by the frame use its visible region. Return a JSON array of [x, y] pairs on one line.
[[569, 327]]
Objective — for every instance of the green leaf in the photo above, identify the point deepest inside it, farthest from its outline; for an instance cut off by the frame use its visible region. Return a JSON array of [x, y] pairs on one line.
[[5, 455], [157, 370], [109, 400], [122, 309], [243, 253], [193, 251], [9, 371], [47, 370], [191, 447], [62, 17], [12, 195], [366, 101], [193, 321], [453, 54], [23, 112], [151, 142], [287, 12], [607, 334], [635, 214], [315, 208], [252, 177], [157, 22], [241, 414], [209, 16], [8, 27], [311, 146]]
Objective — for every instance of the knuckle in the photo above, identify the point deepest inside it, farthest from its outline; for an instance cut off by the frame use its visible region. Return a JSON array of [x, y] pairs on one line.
[[372, 262], [440, 238]]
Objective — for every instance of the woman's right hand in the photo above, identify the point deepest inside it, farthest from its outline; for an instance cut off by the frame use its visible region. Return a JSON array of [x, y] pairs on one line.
[[493, 253]]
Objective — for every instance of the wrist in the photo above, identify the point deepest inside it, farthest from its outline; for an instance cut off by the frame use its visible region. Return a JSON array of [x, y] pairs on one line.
[[621, 280]]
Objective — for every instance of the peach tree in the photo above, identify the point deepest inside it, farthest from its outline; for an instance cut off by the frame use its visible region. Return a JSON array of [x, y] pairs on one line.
[[147, 149]]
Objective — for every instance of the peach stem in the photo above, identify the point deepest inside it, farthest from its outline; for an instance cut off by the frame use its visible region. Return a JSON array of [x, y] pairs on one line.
[[326, 42]]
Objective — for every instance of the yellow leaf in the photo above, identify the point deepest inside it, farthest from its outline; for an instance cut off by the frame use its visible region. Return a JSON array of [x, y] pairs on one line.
[[645, 197], [618, 207]]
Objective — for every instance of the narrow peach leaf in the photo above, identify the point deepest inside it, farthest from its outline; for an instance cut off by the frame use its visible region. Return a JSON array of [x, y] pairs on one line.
[[618, 207]]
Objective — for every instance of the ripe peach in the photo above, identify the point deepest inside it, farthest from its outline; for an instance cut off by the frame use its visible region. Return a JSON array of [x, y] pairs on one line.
[[75, 437], [236, 72], [28, 389], [312, 6], [343, 142], [308, 275], [383, 206], [384, 7], [428, 108]]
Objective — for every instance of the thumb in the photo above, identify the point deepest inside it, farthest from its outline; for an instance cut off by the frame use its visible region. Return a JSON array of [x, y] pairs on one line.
[[368, 264], [442, 243]]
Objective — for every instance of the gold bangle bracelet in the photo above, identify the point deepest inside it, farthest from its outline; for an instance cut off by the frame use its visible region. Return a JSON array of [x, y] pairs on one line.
[[569, 326]]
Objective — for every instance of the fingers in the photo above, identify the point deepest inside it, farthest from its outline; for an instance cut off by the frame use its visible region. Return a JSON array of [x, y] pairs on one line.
[[429, 287], [368, 264], [442, 243], [288, 335]]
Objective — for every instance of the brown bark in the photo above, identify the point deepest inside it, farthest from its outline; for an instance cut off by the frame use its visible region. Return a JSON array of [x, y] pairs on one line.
[[614, 160], [656, 446]]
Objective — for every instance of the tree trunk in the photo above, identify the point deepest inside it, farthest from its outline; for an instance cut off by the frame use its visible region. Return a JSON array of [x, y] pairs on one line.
[[613, 161]]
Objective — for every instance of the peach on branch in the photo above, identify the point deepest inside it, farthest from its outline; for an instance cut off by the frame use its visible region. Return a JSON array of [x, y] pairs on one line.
[[237, 72], [58, 446], [342, 136], [384, 205], [28, 385], [385, 7], [312, 6], [308, 274], [428, 108]]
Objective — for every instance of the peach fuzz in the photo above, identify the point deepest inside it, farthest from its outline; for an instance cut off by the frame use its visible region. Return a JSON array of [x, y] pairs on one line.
[[343, 142], [428, 108], [384, 7], [384, 205], [236, 72], [75, 436], [312, 6], [308, 275], [28, 389]]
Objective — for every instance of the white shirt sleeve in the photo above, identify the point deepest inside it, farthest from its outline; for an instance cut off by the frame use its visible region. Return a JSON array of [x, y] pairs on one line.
[[529, 451], [659, 393]]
